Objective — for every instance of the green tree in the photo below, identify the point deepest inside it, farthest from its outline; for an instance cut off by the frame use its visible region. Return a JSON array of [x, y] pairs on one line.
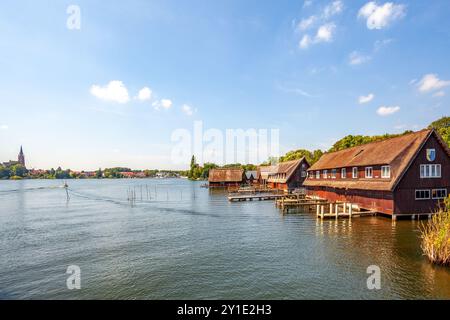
[[194, 172], [99, 174], [18, 170], [442, 126], [5, 173], [311, 157], [206, 167]]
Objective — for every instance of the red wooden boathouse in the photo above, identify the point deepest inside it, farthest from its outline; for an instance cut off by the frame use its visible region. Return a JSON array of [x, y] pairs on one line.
[[405, 175], [287, 175], [229, 177]]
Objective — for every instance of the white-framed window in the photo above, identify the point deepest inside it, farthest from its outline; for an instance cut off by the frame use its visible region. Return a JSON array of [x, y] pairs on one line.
[[333, 173], [355, 173], [439, 193], [423, 194], [343, 173], [303, 173], [385, 172], [430, 171], [317, 174], [325, 174], [369, 172]]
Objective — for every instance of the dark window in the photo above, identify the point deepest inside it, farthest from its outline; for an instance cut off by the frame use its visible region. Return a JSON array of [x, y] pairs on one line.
[[439, 193], [422, 194]]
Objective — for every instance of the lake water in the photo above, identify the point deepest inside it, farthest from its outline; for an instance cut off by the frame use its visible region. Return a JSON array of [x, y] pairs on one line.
[[186, 242]]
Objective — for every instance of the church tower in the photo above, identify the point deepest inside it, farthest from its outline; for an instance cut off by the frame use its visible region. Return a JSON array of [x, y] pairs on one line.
[[21, 157]]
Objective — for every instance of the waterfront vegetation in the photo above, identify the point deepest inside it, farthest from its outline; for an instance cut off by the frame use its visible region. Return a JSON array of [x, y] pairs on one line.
[[435, 236], [198, 172], [18, 172], [442, 126]]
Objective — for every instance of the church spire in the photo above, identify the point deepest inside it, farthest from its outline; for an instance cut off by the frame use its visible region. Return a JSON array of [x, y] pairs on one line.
[[21, 157]]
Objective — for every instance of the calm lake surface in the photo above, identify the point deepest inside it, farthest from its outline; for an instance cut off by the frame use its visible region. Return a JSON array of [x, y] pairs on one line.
[[186, 242]]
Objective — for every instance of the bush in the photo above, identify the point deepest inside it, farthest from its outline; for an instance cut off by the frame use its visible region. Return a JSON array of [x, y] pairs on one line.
[[436, 236]]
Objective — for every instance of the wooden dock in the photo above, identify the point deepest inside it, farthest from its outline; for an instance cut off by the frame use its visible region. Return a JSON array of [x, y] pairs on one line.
[[323, 208], [338, 210], [254, 197], [301, 203]]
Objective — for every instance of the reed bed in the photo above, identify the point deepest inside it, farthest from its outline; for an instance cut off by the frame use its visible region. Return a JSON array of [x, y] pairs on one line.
[[435, 235]]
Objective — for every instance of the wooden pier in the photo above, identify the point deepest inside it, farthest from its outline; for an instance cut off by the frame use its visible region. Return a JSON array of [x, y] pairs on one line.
[[323, 208], [254, 197], [301, 203], [254, 190]]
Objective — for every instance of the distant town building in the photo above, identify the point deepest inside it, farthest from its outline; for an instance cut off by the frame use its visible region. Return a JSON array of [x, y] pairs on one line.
[[21, 157], [20, 160]]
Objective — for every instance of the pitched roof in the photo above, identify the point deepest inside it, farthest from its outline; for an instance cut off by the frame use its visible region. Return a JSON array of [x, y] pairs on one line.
[[396, 152], [264, 171], [226, 175], [251, 174], [287, 168]]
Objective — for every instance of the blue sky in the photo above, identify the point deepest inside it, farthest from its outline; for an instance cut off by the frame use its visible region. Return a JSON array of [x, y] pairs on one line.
[[316, 70]]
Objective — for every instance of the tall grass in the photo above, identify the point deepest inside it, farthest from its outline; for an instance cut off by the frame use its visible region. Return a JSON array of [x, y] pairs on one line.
[[435, 235]]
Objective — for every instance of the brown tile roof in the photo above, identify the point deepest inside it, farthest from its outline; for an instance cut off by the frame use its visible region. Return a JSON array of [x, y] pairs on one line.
[[396, 152], [226, 175], [264, 171], [287, 168]]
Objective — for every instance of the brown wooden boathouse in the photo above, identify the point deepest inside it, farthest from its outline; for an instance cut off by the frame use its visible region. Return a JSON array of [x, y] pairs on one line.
[[285, 175], [405, 175], [230, 177]]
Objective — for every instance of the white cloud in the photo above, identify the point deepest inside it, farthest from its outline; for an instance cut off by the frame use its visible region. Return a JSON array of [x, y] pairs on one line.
[[439, 94], [307, 23], [307, 3], [387, 111], [305, 42], [380, 16], [145, 94], [366, 99], [187, 109], [332, 9], [326, 28], [114, 91], [4, 127], [431, 82], [357, 58], [325, 33], [298, 91], [163, 103]]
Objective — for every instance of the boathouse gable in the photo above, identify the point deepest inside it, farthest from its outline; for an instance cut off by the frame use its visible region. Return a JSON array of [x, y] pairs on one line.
[[426, 181], [288, 175]]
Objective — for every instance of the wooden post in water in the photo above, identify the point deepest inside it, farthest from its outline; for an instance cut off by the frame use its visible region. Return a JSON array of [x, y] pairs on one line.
[[322, 211], [344, 208], [350, 210], [317, 210], [336, 207]]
